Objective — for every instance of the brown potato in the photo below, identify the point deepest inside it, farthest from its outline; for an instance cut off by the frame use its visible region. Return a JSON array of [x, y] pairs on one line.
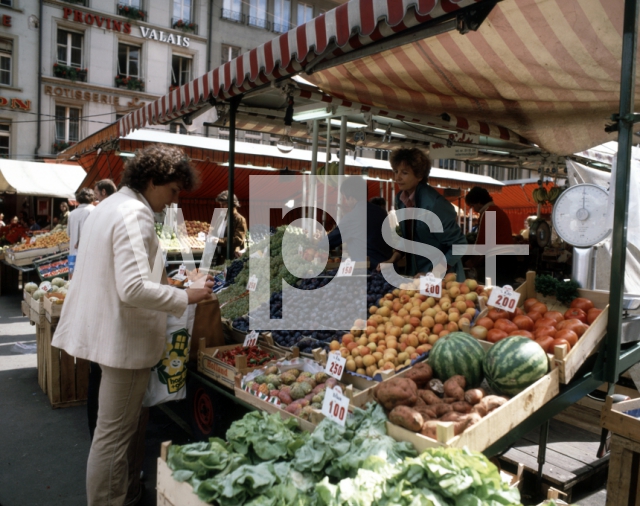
[[406, 417], [474, 396], [429, 397], [443, 409], [421, 374], [462, 407]]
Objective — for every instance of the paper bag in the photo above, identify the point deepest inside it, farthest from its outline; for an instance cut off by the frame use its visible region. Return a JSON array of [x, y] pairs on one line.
[[207, 324]]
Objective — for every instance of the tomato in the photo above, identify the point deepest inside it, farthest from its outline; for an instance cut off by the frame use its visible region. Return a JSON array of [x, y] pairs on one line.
[[569, 335], [545, 342], [568, 324], [581, 303], [592, 314], [576, 313], [485, 322], [535, 316], [504, 324], [558, 342], [524, 333], [545, 331], [523, 322], [555, 315], [580, 329], [544, 322], [518, 312], [539, 307], [496, 314], [495, 335], [528, 304]]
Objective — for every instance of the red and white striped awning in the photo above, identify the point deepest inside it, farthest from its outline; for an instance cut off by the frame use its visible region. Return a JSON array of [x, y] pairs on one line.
[[351, 26]]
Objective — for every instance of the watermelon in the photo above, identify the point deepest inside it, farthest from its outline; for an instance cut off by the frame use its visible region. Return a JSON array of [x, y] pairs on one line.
[[514, 363], [458, 353]]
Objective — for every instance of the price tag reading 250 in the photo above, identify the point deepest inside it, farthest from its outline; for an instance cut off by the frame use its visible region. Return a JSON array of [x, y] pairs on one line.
[[335, 406], [335, 365], [431, 286], [504, 298]]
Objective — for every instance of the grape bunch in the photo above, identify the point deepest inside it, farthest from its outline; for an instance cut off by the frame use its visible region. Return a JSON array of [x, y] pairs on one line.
[[242, 324], [234, 269], [377, 287]]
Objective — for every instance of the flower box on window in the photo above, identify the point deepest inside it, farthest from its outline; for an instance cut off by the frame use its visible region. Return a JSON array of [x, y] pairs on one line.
[[185, 26], [68, 72], [129, 82], [77, 2], [59, 146], [131, 12]]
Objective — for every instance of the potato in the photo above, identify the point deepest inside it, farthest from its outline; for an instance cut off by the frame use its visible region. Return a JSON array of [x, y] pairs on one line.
[[396, 392], [452, 416], [429, 397], [488, 404], [421, 374], [406, 417], [443, 409], [462, 407], [474, 396], [453, 388]]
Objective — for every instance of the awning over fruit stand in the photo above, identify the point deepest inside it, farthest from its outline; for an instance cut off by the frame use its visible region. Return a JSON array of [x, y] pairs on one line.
[[40, 179]]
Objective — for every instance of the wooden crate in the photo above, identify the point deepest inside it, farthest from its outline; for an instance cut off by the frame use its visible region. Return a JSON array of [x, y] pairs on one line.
[[170, 491], [623, 485], [67, 377], [224, 373], [570, 362], [40, 357], [26, 296], [493, 426], [26, 310], [52, 311], [36, 317]]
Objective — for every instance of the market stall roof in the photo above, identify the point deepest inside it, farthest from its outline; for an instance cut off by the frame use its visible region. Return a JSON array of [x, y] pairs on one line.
[[211, 157], [40, 179]]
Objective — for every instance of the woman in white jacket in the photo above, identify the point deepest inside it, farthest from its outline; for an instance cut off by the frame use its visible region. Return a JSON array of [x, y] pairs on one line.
[[115, 311]]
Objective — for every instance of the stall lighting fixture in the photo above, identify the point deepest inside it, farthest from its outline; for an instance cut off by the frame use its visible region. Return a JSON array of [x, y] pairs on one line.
[[495, 151], [290, 204], [285, 144], [310, 115], [125, 154], [249, 166], [350, 124], [381, 131]]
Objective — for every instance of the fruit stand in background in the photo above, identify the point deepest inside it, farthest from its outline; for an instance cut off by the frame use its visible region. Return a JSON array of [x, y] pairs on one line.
[[25, 252], [196, 234]]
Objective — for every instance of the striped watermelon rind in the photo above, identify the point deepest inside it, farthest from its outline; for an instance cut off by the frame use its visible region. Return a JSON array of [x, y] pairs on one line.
[[513, 364], [458, 353]]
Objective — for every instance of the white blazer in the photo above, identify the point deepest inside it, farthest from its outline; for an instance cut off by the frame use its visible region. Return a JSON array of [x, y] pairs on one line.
[[77, 217], [114, 313]]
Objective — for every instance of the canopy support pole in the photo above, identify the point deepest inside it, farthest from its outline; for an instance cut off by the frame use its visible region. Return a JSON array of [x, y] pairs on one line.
[[233, 108], [326, 173], [313, 198], [623, 171], [343, 156]]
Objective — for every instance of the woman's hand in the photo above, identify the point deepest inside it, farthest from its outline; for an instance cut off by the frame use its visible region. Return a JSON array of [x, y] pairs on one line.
[[202, 292]]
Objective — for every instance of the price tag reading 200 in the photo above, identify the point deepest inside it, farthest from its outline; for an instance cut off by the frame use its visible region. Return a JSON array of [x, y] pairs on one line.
[[431, 286], [504, 298], [335, 406], [335, 365]]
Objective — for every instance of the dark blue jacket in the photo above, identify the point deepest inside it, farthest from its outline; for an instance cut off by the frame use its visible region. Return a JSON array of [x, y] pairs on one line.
[[428, 198]]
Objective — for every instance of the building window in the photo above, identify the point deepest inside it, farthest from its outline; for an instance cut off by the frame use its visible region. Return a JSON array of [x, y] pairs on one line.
[[229, 53], [4, 140], [182, 10], [281, 15], [131, 3], [305, 13], [128, 60], [70, 48], [6, 50], [8, 3], [67, 124], [178, 128], [180, 70], [258, 13], [232, 9]]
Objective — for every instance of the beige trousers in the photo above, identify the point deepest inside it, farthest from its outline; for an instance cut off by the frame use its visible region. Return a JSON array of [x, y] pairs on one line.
[[120, 402]]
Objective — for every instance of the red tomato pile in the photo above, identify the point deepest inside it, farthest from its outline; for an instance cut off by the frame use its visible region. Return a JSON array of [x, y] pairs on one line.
[[548, 328]]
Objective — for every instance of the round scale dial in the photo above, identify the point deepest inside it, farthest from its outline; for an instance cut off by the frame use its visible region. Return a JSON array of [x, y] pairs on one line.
[[580, 215]]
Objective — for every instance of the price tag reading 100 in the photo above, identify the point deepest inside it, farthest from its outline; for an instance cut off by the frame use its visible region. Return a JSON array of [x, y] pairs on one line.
[[335, 406], [335, 365]]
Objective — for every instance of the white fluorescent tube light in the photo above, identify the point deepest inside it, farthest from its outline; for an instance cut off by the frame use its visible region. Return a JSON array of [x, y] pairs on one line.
[[393, 134], [125, 154], [495, 151], [240, 166], [309, 115], [350, 124]]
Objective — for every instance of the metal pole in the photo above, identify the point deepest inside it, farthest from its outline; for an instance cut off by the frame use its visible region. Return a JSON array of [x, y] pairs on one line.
[[343, 155], [313, 198], [235, 102], [619, 237], [326, 170]]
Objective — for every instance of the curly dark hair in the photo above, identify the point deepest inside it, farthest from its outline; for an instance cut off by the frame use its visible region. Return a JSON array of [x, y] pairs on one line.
[[416, 159], [85, 196], [160, 164], [477, 195]]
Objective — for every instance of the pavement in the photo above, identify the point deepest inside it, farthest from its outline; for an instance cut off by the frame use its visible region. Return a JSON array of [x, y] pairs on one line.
[[44, 451]]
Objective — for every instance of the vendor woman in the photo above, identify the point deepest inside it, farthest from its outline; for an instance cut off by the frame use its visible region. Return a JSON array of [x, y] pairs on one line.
[[411, 169], [239, 229]]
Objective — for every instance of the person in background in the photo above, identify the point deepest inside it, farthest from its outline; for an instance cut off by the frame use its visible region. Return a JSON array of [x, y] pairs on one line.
[[2, 223], [15, 220], [116, 316], [480, 201], [380, 202], [350, 230], [474, 226], [64, 214], [77, 217], [411, 168], [33, 225], [239, 228], [103, 189]]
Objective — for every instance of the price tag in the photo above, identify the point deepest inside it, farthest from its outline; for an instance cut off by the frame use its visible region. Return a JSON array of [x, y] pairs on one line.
[[46, 286], [252, 284], [251, 339], [335, 406], [431, 286], [504, 298], [32, 240], [335, 365], [187, 284], [346, 268], [202, 236], [182, 270]]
